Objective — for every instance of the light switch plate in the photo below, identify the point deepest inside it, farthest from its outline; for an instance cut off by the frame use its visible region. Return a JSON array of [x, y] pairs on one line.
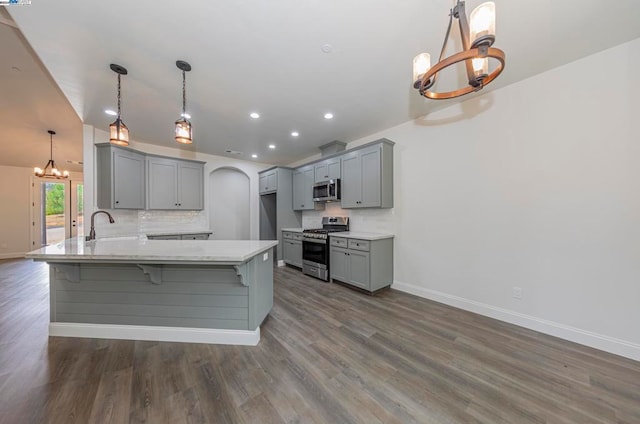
[[265, 257]]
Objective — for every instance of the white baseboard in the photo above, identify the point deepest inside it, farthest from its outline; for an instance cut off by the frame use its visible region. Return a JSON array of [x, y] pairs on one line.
[[163, 334], [608, 344], [14, 255], [281, 263]]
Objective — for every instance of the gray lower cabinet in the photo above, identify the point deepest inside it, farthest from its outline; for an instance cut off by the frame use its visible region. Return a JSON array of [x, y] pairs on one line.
[[120, 178], [303, 189], [367, 177], [193, 236], [365, 264], [292, 248], [174, 184]]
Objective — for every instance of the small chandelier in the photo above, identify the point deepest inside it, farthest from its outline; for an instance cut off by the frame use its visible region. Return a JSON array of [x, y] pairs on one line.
[[119, 133], [50, 170], [183, 130], [477, 40]]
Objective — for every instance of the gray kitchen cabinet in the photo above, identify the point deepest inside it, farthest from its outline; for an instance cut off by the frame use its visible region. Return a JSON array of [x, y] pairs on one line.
[[178, 236], [174, 184], [365, 264], [292, 248], [303, 179], [329, 169], [166, 237], [268, 181], [191, 185], [338, 260], [276, 211], [367, 176], [120, 178]]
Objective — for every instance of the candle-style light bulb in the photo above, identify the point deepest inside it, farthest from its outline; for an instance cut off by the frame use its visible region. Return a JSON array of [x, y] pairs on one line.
[[421, 64], [482, 25]]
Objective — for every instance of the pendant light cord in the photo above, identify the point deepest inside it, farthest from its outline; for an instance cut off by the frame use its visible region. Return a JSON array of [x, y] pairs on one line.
[[51, 146], [184, 94], [118, 96]]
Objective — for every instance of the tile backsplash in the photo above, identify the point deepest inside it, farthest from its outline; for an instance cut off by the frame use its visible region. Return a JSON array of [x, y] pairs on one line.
[[133, 223], [365, 220]]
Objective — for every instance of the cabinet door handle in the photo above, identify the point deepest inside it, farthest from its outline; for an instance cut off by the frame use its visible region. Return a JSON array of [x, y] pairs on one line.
[[175, 204], [117, 202]]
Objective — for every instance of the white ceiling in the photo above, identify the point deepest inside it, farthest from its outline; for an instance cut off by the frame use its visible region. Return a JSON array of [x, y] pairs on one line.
[[30, 104], [266, 56]]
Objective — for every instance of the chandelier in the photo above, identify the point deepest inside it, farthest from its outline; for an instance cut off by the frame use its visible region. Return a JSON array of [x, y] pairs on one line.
[[183, 129], [118, 131], [477, 39], [50, 170]]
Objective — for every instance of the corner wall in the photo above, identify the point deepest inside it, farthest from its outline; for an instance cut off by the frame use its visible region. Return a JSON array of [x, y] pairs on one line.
[[15, 192], [535, 185]]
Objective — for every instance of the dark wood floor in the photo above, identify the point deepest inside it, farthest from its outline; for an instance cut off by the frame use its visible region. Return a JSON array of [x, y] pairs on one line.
[[327, 355]]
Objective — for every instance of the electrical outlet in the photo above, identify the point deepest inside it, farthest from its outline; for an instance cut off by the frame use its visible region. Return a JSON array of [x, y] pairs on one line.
[[517, 292]]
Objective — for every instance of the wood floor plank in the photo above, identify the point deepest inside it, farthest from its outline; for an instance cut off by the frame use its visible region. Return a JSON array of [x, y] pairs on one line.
[[327, 354]]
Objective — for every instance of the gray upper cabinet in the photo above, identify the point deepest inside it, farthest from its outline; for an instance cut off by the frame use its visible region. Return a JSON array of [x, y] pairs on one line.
[[329, 169], [120, 178], [367, 176], [163, 183], [190, 185], [268, 181], [303, 179], [175, 184]]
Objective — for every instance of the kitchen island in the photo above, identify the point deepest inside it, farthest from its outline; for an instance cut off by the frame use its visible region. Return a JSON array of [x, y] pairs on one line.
[[203, 291]]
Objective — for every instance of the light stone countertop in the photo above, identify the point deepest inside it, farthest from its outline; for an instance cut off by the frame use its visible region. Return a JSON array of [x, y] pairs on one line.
[[142, 250], [293, 230], [362, 235]]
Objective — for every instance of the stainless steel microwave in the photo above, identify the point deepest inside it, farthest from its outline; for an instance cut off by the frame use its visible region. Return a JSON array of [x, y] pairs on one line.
[[327, 191]]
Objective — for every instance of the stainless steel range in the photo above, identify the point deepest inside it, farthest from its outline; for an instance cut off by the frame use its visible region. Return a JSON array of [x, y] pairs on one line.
[[315, 246]]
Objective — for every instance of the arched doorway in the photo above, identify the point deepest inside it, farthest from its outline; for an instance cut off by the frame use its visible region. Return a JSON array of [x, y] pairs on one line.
[[229, 210]]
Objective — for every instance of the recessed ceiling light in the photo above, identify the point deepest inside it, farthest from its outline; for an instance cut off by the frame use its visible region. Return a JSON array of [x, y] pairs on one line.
[[254, 156], [254, 115], [185, 115], [295, 134], [272, 146], [327, 48], [110, 112], [328, 115]]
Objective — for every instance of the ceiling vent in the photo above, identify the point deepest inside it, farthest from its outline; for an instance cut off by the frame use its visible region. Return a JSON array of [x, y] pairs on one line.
[[233, 152], [332, 147]]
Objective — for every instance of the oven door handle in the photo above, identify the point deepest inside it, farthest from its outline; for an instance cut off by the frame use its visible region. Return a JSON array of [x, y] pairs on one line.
[[317, 241]]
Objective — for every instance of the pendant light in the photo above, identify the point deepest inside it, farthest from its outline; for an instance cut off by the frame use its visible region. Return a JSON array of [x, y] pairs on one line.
[[119, 133], [183, 129], [50, 170], [477, 38]]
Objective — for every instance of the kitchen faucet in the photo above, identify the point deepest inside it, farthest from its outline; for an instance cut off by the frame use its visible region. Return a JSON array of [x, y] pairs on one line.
[[92, 232]]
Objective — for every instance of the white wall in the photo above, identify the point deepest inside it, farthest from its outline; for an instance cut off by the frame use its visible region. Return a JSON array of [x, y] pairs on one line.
[[15, 192], [535, 185], [15, 210], [140, 222], [229, 204]]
